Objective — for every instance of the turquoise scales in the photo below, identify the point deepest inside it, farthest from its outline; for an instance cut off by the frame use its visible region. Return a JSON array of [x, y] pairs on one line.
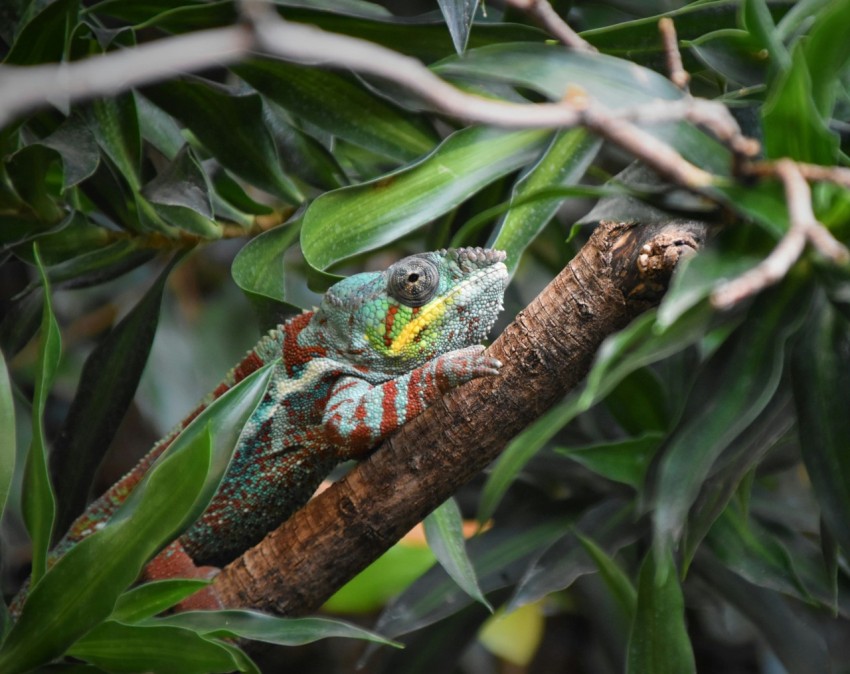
[[381, 348]]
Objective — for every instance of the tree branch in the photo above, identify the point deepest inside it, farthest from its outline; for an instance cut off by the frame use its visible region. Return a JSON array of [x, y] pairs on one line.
[[263, 31], [620, 272]]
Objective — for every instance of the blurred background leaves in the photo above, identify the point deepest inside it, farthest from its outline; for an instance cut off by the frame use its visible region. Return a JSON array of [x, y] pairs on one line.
[[685, 510]]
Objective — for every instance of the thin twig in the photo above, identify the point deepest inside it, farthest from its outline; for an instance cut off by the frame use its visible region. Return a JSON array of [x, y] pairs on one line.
[[837, 175], [546, 17], [263, 31], [803, 227], [711, 115], [678, 75], [26, 87], [655, 154]]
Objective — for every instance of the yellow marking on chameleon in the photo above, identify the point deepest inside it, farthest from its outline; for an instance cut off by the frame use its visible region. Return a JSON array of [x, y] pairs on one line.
[[429, 313]]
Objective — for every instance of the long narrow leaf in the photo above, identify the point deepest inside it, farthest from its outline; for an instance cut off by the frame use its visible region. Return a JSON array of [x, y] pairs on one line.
[[500, 558], [164, 649], [107, 385], [444, 533], [355, 219], [458, 15], [38, 500], [340, 106], [798, 644], [258, 626], [7, 437], [149, 599], [82, 587], [564, 163], [716, 413], [821, 371], [659, 641]]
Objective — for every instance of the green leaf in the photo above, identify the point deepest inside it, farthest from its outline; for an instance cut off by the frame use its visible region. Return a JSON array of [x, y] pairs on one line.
[[499, 557], [798, 644], [236, 134], [659, 641], [717, 413], [80, 590], [259, 267], [164, 649], [564, 163], [697, 277], [114, 123], [640, 41], [77, 149], [100, 264], [623, 461], [444, 532], [614, 576], [149, 599], [341, 106], [733, 54], [759, 23], [424, 37], [821, 376], [827, 54], [458, 15], [738, 461], [747, 549], [33, 171], [7, 437], [614, 83], [106, 388], [302, 154], [611, 523], [793, 126], [38, 502], [242, 624], [180, 194], [355, 219], [640, 402], [43, 31], [384, 579]]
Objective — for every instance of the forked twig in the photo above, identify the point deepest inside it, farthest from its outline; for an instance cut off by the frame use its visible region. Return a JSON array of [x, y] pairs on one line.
[[803, 228]]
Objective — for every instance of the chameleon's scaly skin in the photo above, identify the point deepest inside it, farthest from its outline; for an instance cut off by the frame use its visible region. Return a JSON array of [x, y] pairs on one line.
[[381, 348]]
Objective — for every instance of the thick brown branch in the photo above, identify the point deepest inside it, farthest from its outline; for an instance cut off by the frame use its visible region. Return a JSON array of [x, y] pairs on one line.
[[620, 272]]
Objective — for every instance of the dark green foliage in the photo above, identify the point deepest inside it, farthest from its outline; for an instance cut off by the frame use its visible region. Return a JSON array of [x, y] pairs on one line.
[[699, 478]]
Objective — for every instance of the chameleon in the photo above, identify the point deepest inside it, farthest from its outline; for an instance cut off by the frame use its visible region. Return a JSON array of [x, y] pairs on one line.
[[380, 348]]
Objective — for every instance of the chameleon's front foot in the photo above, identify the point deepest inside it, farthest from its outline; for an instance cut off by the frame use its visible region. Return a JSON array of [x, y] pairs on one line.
[[462, 365]]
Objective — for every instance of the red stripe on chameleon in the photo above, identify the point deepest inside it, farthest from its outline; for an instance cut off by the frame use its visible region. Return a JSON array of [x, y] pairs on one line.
[[293, 353], [388, 325], [389, 416]]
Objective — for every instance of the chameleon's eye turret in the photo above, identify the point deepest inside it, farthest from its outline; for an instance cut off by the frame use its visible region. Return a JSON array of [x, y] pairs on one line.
[[413, 281]]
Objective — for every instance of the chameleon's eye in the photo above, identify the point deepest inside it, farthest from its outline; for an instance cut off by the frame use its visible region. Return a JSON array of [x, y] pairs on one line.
[[413, 281]]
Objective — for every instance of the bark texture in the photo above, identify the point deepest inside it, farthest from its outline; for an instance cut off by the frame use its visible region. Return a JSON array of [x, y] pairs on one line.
[[621, 271]]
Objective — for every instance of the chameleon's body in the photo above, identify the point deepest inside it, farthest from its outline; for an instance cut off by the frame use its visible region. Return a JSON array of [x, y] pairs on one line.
[[381, 348]]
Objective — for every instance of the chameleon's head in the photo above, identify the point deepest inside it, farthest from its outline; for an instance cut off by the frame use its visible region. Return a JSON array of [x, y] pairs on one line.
[[420, 307]]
